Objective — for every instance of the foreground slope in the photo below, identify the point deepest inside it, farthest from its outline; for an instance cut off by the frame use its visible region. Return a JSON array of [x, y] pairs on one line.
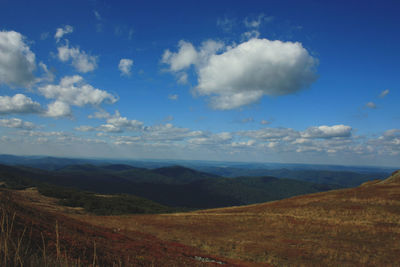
[[349, 227], [35, 231]]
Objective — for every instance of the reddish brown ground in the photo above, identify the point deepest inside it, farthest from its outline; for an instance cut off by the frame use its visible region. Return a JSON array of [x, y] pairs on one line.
[[352, 227], [114, 247]]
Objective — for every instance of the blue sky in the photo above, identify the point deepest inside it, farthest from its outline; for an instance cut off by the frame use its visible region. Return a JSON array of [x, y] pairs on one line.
[[269, 81]]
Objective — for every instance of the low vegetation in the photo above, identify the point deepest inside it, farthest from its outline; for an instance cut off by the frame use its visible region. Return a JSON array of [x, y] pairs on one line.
[[103, 204], [31, 235], [350, 227]]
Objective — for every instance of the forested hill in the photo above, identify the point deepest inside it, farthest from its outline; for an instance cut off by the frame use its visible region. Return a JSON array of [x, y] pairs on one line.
[[173, 186]]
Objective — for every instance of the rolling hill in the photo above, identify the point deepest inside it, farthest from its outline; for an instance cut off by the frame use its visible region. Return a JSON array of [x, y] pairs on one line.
[[173, 186], [321, 176], [34, 231], [343, 176], [348, 227]]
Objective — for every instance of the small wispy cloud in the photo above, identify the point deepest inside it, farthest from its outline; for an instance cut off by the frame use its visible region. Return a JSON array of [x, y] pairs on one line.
[[256, 22], [44, 35], [371, 105], [384, 93], [130, 34], [97, 15], [173, 97], [226, 24], [60, 32]]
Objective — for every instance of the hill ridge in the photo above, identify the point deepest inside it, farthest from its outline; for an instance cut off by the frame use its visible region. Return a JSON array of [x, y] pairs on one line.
[[393, 179]]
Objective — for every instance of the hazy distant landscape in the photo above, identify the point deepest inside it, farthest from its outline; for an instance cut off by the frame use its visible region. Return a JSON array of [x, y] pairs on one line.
[[181, 187]]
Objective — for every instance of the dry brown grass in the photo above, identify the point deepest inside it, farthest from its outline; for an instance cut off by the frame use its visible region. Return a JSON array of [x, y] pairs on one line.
[[56, 239], [352, 227], [32, 197], [18, 246]]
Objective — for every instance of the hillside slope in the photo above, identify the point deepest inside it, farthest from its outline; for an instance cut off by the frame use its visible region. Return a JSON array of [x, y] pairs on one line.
[[349, 227], [36, 232]]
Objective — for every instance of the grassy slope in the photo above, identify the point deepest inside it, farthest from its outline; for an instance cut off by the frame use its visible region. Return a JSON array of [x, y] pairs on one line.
[[34, 233], [350, 227]]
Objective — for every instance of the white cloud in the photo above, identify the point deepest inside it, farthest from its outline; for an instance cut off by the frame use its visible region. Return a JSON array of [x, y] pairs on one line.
[[208, 49], [265, 122], [17, 123], [63, 31], [235, 100], [250, 35], [256, 22], [212, 140], [183, 78], [58, 109], [85, 128], [243, 73], [384, 93], [100, 115], [48, 75], [72, 90], [173, 97], [114, 124], [125, 66], [244, 144], [19, 103], [109, 128], [123, 122], [186, 56], [41, 133], [167, 133], [371, 105], [272, 134], [327, 131], [17, 61], [80, 60], [388, 143]]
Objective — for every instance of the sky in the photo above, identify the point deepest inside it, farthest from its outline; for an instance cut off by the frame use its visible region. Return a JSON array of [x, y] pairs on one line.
[[257, 81]]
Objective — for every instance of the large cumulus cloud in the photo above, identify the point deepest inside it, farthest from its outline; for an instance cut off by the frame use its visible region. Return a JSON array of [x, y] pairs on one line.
[[242, 74], [17, 61]]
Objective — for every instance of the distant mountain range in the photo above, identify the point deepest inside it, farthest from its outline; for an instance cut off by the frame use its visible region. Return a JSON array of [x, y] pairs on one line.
[[52, 163], [173, 186]]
